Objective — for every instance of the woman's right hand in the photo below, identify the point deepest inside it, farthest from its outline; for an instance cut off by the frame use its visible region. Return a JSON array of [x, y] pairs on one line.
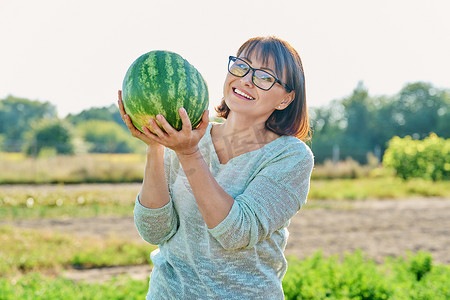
[[133, 130]]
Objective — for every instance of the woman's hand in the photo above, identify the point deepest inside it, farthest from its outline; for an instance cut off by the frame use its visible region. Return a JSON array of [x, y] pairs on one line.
[[133, 130], [183, 142]]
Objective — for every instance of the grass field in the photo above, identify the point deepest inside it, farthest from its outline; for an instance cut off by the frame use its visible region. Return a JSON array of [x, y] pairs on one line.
[[89, 168], [54, 201], [34, 260], [60, 201], [345, 180]]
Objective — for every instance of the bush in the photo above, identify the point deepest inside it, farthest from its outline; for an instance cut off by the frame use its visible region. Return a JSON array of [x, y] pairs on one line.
[[428, 158], [50, 134], [357, 277], [107, 137], [327, 278]]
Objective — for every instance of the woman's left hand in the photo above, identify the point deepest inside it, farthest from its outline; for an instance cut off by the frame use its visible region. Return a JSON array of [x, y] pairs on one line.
[[183, 142]]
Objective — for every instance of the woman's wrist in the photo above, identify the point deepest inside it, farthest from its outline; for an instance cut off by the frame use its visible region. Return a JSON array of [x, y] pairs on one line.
[[155, 150], [188, 153]]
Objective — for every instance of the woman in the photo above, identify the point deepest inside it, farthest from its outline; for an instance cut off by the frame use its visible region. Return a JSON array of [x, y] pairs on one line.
[[217, 199]]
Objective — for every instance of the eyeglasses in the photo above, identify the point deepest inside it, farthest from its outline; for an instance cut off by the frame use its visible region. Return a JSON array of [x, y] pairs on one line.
[[262, 79]]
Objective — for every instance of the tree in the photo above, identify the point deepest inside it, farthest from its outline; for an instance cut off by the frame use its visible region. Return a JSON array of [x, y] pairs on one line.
[[55, 134], [443, 125], [109, 113], [328, 125], [415, 110], [107, 137], [359, 123], [359, 131], [18, 116]]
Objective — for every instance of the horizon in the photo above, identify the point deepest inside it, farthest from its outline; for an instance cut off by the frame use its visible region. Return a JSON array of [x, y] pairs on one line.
[[212, 112]]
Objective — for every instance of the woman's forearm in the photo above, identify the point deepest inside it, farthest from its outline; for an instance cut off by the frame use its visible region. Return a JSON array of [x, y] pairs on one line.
[[154, 192], [213, 201]]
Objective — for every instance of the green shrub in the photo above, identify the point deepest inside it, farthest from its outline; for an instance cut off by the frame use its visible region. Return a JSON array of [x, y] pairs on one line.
[[107, 137], [50, 134], [356, 277], [327, 278], [420, 264], [428, 158]]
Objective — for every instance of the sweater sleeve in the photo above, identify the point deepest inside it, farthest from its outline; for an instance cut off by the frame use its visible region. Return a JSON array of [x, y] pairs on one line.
[[270, 200], [157, 226]]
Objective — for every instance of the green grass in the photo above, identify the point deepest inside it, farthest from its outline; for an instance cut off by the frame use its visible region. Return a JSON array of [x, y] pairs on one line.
[[55, 201], [28, 250], [353, 276], [87, 168], [36, 286], [377, 188], [33, 260]]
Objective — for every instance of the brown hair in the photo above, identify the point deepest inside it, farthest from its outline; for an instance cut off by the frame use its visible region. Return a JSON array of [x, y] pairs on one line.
[[293, 120]]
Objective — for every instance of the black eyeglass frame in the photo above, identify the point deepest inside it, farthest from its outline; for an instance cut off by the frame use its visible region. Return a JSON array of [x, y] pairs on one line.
[[234, 59]]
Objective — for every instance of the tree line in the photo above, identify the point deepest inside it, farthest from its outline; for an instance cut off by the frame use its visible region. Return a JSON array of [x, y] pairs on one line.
[[34, 128], [352, 126], [360, 124]]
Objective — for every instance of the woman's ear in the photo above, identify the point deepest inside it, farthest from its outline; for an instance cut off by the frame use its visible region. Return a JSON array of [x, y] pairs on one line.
[[286, 101]]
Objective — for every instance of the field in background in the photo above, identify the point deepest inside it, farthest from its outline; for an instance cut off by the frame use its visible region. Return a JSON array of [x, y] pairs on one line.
[[35, 259], [89, 168], [342, 180]]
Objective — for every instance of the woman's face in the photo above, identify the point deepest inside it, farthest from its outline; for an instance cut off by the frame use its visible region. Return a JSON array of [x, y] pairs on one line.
[[242, 96]]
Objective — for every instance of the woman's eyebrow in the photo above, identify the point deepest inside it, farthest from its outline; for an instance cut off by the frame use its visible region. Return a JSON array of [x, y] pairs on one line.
[[268, 69], [262, 68], [245, 58]]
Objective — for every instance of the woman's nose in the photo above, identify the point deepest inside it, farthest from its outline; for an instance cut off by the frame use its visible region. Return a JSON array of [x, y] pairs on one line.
[[247, 79]]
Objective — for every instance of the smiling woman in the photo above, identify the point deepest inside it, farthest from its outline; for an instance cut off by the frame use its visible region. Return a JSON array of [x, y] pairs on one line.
[[285, 119], [217, 199]]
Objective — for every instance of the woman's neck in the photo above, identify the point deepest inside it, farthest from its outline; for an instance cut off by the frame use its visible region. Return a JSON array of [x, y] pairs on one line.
[[239, 131]]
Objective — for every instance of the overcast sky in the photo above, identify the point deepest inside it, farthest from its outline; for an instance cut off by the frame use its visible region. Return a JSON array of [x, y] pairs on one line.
[[74, 54]]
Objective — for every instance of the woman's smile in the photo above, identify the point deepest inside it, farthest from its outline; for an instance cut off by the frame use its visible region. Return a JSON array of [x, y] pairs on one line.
[[242, 94]]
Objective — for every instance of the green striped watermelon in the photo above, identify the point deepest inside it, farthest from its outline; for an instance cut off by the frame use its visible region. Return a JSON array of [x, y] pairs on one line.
[[160, 82]]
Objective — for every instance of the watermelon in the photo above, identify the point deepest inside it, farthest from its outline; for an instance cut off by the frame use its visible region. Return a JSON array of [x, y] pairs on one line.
[[161, 82]]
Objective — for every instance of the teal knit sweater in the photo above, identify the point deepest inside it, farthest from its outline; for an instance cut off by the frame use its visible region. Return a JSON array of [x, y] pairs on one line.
[[242, 257]]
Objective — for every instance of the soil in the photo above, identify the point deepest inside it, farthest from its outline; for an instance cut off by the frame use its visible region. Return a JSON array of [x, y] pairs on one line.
[[380, 228]]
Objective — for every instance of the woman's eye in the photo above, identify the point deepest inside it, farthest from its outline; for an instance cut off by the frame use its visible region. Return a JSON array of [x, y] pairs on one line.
[[243, 67], [266, 78]]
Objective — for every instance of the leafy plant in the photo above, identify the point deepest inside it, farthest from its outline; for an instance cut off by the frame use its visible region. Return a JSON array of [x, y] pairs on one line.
[[55, 134], [420, 264], [355, 276], [107, 137], [428, 158]]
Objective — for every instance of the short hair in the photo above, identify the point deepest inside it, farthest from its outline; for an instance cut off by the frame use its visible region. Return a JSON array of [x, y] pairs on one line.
[[293, 120]]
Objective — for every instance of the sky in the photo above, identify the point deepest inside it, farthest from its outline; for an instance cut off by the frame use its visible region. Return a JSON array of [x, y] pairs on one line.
[[75, 54]]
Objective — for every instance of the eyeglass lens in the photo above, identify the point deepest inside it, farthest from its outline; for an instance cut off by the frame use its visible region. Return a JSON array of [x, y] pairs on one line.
[[260, 78]]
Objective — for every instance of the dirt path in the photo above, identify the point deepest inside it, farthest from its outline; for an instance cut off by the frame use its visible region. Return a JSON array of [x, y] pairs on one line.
[[380, 228]]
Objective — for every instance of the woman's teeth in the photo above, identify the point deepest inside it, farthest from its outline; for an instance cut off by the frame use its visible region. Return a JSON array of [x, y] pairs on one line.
[[239, 92]]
